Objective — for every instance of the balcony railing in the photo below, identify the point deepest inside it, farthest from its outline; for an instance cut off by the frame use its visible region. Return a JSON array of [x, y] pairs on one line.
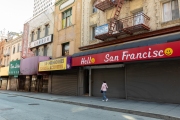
[[128, 25], [105, 4]]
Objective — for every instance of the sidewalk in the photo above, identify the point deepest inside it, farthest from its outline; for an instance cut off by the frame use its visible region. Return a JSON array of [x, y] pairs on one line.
[[163, 111]]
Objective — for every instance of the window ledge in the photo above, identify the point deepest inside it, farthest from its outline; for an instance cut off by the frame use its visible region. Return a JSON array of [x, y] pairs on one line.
[[171, 22], [67, 27]]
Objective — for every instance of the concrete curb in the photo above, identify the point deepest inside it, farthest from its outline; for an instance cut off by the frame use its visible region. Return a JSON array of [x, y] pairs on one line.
[[145, 114]]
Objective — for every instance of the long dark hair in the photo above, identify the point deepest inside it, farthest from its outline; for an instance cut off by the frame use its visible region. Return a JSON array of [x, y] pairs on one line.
[[104, 81]]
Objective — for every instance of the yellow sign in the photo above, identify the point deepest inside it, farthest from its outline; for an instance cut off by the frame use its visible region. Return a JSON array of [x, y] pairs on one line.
[[56, 64], [4, 71]]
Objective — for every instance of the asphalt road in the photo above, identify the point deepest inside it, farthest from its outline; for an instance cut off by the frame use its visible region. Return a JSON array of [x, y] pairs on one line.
[[23, 108]]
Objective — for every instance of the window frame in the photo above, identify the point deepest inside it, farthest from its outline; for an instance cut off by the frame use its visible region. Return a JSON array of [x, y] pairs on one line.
[[64, 50], [171, 11], [38, 33], [45, 50], [14, 49], [93, 30], [67, 18], [32, 36], [46, 29]]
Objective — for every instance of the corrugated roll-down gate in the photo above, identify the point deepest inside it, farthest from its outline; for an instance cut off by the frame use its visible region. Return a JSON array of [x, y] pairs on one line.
[[65, 82], [4, 83], [154, 81], [13, 83], [115, 79]]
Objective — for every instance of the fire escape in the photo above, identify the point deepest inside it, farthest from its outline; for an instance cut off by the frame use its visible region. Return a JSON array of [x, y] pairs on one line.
[[117, 27]]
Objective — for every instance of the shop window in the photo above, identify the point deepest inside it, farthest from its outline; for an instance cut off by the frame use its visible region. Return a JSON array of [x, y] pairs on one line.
[[138, 18], [67, 18], [65, 49], [46, 30], [170, 10], [93, 32], [32, 36], [38, 33]]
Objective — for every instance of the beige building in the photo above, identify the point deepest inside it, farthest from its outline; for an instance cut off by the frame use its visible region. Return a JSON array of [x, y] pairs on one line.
[[155, 15], [67, 27], [133, 45], [12, 50]]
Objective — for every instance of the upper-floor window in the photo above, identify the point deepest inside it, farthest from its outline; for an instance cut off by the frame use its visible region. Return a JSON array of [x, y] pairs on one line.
[[14, 49], [32, 36], [38, 33], [65, 49], [67, 18], [138, 18], [18, 49], [94, 9], [9, 50], [46, 30], [37, 51], [45, 50], [170, 10], [93, 32]]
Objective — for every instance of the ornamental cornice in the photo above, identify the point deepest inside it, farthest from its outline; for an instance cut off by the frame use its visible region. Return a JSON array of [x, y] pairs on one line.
[[60, 2]]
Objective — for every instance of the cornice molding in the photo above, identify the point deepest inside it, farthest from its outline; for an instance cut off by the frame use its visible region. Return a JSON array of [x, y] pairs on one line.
[[133, 38], [60, 2]]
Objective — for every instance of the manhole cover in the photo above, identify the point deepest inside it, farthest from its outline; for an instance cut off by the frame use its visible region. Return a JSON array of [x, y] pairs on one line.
[[33, 104], [12, 96], [6, 109]]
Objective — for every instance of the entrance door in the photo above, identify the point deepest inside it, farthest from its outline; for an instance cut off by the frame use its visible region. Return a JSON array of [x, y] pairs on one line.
[[86, 82]]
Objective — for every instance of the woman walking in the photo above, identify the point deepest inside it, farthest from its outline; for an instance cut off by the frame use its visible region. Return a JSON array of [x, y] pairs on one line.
[[103, 91]]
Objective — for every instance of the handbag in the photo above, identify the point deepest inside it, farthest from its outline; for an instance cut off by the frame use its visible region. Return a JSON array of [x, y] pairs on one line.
[[101, 91]]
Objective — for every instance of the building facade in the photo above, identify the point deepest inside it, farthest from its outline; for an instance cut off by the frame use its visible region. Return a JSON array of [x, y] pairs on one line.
[[37, 47], [133, 46], [67, 35]]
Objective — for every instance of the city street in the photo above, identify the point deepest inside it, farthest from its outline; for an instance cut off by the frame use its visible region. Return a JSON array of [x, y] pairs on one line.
[[14, 107]]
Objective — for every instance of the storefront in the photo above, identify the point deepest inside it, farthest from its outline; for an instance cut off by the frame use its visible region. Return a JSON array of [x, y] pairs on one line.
[[4, 78], [142, 70], [29, 72], [63, 79], [14, 70]]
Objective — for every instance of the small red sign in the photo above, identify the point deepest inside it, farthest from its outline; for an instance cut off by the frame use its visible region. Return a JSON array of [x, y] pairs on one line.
[[166, 50]]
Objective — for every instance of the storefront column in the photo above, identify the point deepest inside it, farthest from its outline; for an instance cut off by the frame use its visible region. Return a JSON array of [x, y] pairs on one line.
[[80, 81], [125, 83], [90, 81]]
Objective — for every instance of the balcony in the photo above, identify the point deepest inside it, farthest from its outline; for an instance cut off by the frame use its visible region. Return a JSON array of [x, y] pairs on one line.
[[126, 26], [105, 4]]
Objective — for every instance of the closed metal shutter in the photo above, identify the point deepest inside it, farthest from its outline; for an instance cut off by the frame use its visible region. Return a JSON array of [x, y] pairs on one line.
[[115, 79], [13, 83], [154, 81], [27, 83], [4, 84], [65, 82], [22, 83]]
